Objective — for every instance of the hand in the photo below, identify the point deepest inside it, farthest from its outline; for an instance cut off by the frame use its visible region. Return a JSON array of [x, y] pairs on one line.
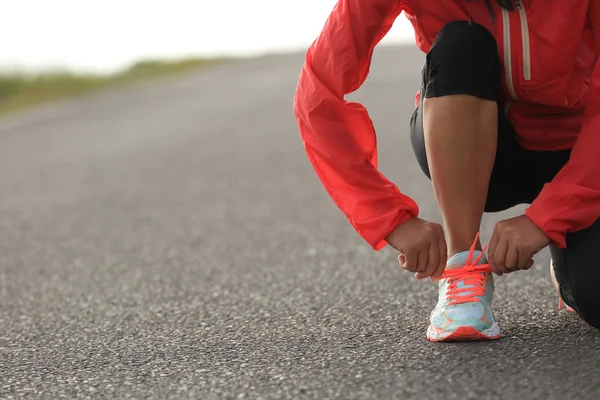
[[514, 243], [423, 248]]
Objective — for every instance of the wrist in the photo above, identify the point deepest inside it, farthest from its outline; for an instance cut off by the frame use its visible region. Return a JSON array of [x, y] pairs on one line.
[[394, 232], [536, 216]]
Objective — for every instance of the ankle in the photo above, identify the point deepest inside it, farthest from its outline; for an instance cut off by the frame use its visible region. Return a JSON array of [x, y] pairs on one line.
[[462, 246]]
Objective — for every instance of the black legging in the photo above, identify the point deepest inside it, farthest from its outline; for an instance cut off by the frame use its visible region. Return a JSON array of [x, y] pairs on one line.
[[464, 59]]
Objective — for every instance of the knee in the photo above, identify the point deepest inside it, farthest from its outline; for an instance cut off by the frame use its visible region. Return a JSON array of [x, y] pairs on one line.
[[580, 272], [464, 40], [464, 52], [587, 303]]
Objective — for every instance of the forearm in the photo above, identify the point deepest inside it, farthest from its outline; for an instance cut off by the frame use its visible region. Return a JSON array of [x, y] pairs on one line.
[[339, 136]]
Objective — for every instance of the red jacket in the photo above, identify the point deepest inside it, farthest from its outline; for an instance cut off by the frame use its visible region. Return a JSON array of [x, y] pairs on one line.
[[551, 89]]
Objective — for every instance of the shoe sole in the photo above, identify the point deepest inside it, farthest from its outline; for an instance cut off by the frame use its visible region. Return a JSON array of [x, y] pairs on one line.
[[463, 334]]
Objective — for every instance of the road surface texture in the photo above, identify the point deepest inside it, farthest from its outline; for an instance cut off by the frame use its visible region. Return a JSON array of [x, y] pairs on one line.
[[172, 241]]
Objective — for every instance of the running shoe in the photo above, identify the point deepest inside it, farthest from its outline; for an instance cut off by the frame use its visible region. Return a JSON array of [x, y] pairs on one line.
[[466, 290]]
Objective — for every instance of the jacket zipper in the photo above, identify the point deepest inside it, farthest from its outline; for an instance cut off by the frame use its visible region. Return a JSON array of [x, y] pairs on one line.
[[525, 41], [508, 76], [508, 68]]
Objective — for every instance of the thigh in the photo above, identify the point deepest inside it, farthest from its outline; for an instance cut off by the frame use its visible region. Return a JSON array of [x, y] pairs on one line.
[[577, 271]]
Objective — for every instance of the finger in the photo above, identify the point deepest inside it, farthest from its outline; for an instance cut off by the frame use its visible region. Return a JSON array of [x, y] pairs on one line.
[[433, 261], [499, 257], [492, 250], [422, 261], [439, 272], [402, 261], [443, 248], [525, 261], [410, 261], [512, 257]]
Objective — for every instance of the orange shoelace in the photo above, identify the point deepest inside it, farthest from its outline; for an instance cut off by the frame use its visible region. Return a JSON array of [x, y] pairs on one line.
[[473, 277], [562, 304]]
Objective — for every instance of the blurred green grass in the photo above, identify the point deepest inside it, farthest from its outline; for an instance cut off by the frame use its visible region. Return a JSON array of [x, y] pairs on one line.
[[22, 90]]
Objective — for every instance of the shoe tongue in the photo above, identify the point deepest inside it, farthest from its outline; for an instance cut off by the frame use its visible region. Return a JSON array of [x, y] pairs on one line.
[[460, 260]]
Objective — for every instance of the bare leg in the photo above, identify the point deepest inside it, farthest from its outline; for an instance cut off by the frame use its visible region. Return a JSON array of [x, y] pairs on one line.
[[460, 138]]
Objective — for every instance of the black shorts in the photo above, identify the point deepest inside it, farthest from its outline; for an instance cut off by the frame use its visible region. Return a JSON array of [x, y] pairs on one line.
[[464, 60]]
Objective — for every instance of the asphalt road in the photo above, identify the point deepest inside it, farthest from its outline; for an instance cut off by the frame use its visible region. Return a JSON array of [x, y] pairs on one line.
[[172, 241]]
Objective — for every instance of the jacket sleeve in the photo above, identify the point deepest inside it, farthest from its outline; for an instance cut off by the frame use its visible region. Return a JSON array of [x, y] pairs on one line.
[[338, 136], [571, 202]]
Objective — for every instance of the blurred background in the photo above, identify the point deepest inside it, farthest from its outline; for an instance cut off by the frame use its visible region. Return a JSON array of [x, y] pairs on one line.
[[111, 35], [78, 46], [163, 234]]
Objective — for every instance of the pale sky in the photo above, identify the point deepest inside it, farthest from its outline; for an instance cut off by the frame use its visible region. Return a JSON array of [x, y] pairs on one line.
[[110, 34]]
